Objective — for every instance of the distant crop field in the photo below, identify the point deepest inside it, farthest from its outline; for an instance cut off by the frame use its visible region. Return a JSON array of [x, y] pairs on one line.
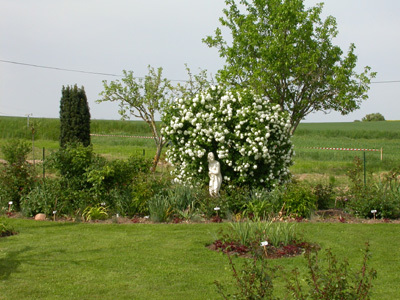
[[359, 135], [371, 135]]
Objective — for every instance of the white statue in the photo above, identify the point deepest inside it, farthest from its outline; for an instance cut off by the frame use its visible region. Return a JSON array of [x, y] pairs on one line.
[[214, 171]]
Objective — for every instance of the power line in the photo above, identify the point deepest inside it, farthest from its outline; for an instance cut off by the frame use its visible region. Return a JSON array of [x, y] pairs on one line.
[[71, 70], [387, 81], [58, 69], [116, 75]]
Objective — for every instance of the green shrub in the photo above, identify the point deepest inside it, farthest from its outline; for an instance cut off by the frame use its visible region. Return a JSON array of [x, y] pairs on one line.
[[324, 196], [382, 196], [72, 161], [335, 281], [74, 116], [299, 200], [373, 117], [92, 213], [91, 180], [55, 194], [5, 228], [42, 198], [160, 208], [177, 201], [332, 280], [15, 152], [17, 177], [252, 233], [133, 200], [263, 203], [254, 280], [235, 198]]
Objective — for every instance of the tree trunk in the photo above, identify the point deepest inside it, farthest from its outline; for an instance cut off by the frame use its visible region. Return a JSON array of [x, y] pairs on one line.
[[160, 145]]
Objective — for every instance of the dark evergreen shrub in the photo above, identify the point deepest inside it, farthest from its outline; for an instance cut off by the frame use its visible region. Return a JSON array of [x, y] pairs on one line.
[[74, 116]]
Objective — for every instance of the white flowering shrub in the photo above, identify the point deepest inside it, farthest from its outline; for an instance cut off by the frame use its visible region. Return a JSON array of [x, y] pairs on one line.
[[249, 136]]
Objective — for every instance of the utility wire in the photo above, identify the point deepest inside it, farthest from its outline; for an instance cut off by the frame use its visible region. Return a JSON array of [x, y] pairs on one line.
[[116, 75], [387, 81], [59, 69], [71, 70]]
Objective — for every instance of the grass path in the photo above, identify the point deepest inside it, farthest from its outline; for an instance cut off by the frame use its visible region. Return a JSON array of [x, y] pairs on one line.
[[48, 260]]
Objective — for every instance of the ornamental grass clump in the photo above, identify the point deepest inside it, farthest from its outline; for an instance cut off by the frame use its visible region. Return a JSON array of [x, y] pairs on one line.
[[248, 135]]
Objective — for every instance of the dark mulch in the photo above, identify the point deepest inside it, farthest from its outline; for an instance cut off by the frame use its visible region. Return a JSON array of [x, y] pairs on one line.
[[7, 233], [234, 248]]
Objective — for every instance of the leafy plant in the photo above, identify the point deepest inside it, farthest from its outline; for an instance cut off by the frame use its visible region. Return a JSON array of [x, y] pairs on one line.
[[373, 117], [92, 213], [251, 233], [105, 181], [17, 177], [284, 52], [42, 198], [142, 190], [178, 201], [142, 98], [262, 203], [324, 196], [74, 116], [160, 208], [382, 196], [72, 161], [299, 200], [5, 228], [253, 281], [334, 281]]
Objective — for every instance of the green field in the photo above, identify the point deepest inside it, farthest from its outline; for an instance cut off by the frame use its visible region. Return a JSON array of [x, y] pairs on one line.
[[359, 135], [365, 135], [56, 260]]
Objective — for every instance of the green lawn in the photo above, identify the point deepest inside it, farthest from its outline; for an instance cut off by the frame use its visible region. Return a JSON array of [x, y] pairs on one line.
[[49, 260]]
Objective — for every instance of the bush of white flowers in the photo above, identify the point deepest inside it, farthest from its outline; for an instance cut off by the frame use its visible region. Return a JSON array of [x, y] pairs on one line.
[[249, 136]]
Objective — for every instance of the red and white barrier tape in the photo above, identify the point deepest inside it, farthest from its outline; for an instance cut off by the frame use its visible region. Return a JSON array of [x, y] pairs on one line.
[[125, 136], [349, 149], [344, 149]]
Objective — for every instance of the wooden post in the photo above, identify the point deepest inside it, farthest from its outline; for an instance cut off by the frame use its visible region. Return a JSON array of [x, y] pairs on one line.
[[365, 171]]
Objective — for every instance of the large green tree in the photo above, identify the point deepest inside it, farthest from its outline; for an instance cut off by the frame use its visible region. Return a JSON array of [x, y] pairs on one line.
[[142, 98], [285, 52], [74, 116]]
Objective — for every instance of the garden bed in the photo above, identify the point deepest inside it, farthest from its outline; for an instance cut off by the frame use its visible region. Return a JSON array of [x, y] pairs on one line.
[[272, 252]]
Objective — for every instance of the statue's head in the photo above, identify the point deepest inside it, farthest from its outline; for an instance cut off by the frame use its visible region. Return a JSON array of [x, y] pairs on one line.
[[210, 156]]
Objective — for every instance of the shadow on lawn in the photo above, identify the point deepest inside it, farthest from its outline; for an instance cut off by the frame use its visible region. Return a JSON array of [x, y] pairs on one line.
[[10, 263]]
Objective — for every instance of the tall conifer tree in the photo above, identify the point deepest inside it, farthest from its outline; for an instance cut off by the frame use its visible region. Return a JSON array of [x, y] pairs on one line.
[[74, 116]]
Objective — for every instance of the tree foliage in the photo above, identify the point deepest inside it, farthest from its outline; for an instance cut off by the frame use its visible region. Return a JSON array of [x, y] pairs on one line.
[[285, 52], [74, 116], [141, 98], [373, 117]]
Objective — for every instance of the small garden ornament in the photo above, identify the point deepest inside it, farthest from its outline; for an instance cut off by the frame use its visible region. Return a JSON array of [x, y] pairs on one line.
[[214, 171]]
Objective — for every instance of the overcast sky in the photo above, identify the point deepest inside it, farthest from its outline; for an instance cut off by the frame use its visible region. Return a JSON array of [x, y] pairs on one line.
[[108, 36]]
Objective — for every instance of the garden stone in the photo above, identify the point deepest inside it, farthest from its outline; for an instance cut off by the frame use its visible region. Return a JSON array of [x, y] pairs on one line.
[[40, 217]]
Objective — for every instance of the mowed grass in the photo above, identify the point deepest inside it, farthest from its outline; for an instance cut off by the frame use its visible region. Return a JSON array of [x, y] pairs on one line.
[[56, 260]]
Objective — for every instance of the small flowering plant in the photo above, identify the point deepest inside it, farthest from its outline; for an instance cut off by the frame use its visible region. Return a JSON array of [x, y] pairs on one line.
[[249, 136]]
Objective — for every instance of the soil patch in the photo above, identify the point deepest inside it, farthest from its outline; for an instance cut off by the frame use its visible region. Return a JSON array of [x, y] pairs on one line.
[[271, 252]]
